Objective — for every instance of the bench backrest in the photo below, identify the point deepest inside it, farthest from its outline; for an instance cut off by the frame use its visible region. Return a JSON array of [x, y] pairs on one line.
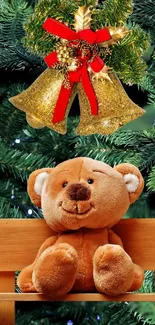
[[21, 239]]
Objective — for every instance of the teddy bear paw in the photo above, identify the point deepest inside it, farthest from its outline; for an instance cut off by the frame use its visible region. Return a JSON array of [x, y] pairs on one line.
[[26, 287], [55, 271], [113, 270]]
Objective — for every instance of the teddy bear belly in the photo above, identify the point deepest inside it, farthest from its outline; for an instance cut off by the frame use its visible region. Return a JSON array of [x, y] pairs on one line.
[[85, 242]]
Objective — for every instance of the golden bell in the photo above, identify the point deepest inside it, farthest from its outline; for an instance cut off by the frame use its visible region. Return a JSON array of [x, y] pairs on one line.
[[115, 108], [32, 121], [39, 101]]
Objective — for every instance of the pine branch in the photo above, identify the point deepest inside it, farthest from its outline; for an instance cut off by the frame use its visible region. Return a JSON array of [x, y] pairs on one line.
[[14, 119], [144, 15], [123, 146], [148, 283], [14, 200], [46, 141], [11, 188], [92, 314], [21, 164], [7, 211], [17, 210], [147, 84], [112, 12], [12, 54], [126, 57], [144, 207], [146, 310], [151, 180], [36, 39]]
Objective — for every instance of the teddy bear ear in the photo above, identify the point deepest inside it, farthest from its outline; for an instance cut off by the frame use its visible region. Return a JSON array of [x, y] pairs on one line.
[[133, 180], [35, 184]]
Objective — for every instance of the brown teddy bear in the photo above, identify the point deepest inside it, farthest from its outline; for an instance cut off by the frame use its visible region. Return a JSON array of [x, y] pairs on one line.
[[81, 200]]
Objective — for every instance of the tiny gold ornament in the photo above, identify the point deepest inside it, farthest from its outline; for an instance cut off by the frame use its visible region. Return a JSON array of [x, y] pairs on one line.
[[64, 52], [73, 64], [76, 66]]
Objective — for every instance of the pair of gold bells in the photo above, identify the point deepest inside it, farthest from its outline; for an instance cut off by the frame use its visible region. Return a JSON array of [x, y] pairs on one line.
[[115, 108]]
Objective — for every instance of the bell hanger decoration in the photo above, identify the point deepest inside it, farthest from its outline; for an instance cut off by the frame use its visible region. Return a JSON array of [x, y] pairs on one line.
[[77, 66]]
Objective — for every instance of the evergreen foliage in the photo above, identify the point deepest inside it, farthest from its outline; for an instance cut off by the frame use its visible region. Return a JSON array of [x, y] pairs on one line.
[[23, 149], [147, 84], [13, 14], [147, 309], [85, 314], [123, 146], [144, 16], [39, 41], [151, 180], [125, 58]]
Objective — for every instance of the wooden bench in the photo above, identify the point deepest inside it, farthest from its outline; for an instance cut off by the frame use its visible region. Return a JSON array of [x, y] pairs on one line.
[[21, 239]]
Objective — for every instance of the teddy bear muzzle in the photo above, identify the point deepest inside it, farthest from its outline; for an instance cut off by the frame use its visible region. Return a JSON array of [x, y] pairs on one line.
[[78, 192], [77, 200]]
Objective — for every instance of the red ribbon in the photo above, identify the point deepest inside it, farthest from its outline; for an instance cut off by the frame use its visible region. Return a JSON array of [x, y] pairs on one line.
[[81, 74]]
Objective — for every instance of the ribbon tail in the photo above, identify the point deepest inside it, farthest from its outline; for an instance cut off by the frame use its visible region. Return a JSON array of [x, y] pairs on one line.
[[51, 59], [62, 103], [88, 88], [97, 65]]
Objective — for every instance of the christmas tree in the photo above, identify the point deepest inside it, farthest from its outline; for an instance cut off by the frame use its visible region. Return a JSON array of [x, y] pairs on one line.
[[24, 149]]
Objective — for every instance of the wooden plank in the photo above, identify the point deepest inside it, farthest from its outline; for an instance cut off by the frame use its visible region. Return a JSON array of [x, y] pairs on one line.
[[21, 239], [7, 307], [77, 297], [138, 236]]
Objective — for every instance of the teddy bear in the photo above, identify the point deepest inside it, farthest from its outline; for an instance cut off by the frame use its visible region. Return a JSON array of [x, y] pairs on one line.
[[82, 199]]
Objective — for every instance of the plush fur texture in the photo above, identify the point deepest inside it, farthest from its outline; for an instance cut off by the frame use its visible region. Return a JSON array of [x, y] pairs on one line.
[[81, 200]]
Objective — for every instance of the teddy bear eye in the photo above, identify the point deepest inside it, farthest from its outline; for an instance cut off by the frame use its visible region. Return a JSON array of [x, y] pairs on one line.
[[64, 184], [90, 181]]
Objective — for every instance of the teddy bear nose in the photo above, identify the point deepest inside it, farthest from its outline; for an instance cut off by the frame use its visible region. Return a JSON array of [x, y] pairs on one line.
[[78, 192]]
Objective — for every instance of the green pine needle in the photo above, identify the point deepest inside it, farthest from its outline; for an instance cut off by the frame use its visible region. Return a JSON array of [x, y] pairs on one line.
[[123, 146], [21, 164], [126, 57], [144, 14], [151, 180], [13, 14]]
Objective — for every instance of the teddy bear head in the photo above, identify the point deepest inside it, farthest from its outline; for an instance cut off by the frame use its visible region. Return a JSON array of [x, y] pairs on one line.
[[83, 192]]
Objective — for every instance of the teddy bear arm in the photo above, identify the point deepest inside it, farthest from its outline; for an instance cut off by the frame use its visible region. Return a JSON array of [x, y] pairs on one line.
[[24, 280], [113, 238]]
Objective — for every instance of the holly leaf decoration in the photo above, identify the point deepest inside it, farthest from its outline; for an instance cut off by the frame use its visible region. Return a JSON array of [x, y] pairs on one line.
[[82, 18]]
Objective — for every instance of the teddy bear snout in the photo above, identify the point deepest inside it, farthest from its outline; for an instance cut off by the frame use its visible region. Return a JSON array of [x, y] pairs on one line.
[[78, 192]]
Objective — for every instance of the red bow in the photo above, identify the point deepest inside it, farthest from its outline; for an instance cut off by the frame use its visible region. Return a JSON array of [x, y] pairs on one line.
[[81, 74]]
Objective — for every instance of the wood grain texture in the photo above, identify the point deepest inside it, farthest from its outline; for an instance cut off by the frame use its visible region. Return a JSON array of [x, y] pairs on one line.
[[21, 239], [138, 237], [77, 297], [7, 307]]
